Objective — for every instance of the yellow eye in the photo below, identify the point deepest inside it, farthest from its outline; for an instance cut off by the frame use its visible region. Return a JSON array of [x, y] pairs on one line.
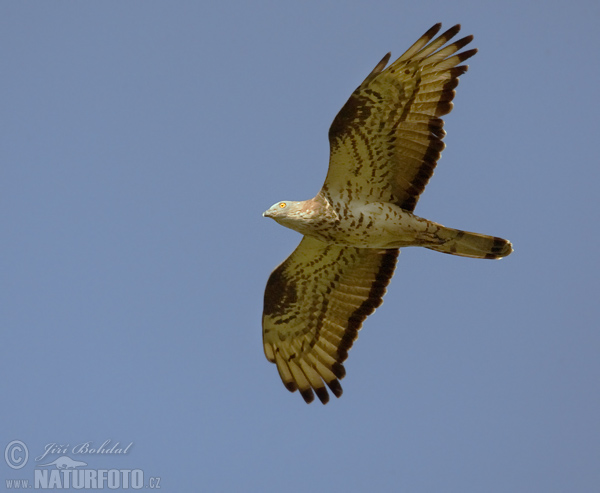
[[282, 205]]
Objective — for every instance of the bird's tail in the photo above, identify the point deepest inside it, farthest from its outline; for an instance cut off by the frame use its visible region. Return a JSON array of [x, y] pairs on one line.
[[474, 245]]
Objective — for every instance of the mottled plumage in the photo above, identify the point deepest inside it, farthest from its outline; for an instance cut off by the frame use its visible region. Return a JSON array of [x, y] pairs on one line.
[[385, 143]]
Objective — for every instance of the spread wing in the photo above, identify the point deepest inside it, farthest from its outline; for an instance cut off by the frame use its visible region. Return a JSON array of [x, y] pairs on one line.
[[386, 140], [315, 303]]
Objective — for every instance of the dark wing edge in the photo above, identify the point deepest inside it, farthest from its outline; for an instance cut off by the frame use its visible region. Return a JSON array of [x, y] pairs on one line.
[[396, 113], [315, 303]]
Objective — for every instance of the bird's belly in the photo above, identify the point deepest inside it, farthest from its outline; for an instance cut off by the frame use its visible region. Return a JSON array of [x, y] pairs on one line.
[[382, 225]]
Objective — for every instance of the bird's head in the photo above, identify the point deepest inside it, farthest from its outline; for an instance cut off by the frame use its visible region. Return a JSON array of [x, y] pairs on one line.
[[282, 210], [302, 216], [292, 214]]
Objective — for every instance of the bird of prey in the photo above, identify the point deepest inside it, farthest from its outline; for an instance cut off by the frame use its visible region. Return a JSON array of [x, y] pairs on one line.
[[384, 144]]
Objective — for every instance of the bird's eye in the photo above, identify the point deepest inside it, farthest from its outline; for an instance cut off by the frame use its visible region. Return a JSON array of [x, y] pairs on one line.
[[282, 205]]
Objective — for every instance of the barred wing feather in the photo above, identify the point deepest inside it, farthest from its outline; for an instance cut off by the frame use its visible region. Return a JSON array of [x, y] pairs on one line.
[[315, 303], [386, 140]]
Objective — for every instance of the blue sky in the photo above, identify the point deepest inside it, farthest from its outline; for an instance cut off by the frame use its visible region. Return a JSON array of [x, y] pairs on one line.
[[140, 144]]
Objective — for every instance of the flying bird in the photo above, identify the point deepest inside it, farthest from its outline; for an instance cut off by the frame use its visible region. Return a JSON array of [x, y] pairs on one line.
[[384, 144]]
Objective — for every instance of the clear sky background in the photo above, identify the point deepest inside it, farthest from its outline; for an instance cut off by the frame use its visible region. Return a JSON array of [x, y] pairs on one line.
[[140, 143]]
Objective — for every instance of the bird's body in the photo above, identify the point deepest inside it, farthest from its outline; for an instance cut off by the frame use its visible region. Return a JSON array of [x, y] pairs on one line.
[[385, 143], [380, 225]]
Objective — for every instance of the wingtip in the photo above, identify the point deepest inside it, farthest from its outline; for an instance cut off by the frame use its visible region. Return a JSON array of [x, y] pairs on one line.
[[450, 33], [384, 61], [291, 386], [378, 68], [322, 394], [433, 30], [336, 387], [307, 395]]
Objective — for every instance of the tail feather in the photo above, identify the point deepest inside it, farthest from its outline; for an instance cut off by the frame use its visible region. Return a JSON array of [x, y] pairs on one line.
[[474, 245]]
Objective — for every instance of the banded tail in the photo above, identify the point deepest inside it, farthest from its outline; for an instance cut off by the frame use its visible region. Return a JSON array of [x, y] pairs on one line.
[[474, 245]]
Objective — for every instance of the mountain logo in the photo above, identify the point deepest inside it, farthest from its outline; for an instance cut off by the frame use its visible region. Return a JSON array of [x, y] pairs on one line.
[[64, 462]]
